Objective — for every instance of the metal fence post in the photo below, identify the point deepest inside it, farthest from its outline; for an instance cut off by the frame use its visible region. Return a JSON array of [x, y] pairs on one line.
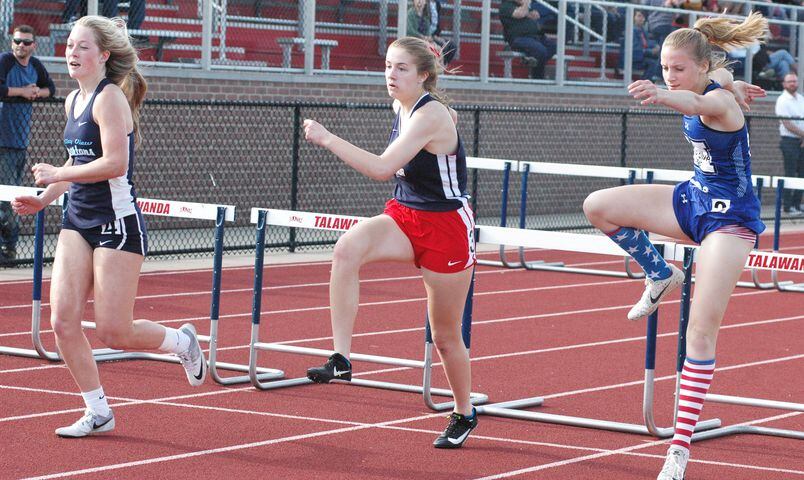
[[476, 153], [401, 19], [309, 36], [294, 172], [485, 34], [206, 35], [623, 139]]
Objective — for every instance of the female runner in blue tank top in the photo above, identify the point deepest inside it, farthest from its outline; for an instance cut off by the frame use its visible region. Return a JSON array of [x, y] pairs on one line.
[[428, 222], [103, 240], [716, 207]]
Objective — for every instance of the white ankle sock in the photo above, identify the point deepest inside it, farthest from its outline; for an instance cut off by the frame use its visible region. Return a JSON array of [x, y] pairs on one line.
[[96, 401], [175, 341]]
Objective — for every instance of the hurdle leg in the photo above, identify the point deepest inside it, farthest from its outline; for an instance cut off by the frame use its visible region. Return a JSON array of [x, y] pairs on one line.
[[523, 212], [503, 262], [214, 316], [466, 331]]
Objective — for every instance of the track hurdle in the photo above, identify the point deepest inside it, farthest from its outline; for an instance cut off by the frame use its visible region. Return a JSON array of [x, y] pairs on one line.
[[780, 183], [601, 245], [166, 208], [756, 260], [7, 194], [625, 175], [285, 218]]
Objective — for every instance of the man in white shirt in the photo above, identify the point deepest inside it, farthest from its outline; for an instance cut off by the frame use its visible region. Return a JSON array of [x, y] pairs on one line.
[[791, 104]]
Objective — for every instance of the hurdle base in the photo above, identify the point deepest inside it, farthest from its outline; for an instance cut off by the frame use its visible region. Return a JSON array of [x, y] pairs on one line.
[[584, 422], [747, 429], [425, 389]]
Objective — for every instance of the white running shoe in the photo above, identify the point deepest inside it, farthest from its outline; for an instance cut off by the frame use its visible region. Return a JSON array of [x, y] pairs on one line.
[[655, 291], [674, 465], [90, 424], [193, 358]]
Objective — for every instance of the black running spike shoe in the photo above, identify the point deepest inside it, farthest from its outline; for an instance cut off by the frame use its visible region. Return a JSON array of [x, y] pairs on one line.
[[457, 430], [336, 368]]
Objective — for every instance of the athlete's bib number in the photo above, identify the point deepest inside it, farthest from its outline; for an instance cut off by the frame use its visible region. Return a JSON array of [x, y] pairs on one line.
[[721, 205]]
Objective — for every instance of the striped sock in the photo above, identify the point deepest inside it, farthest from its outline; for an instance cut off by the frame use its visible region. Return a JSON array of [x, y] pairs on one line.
[[696, 376], [638, 245]]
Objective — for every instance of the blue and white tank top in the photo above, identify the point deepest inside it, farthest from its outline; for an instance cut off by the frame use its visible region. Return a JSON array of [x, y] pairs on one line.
[[429, 181], [93, 204], [722, 163]]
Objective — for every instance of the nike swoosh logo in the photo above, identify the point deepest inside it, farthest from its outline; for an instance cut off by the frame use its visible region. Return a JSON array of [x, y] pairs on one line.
[[200, 372], [456, 441], [82, 123], [449, 264], [338, 373], [95, 425], [654, 300], [104, 242]]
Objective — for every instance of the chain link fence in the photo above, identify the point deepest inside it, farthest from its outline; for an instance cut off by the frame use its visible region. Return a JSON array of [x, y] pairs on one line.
[[254, 155]]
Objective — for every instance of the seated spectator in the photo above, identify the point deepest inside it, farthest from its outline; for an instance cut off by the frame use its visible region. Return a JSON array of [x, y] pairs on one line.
[[660, 24], [646, 51], [522, 32], [423, 22], [75, 9], [765, 64]]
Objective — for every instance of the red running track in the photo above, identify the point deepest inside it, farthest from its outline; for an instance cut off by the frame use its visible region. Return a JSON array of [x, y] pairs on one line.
[[557, 335]]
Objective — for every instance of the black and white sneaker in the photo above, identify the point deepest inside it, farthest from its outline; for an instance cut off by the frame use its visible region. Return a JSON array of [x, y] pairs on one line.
[[90, 424], [336, 368], [193, 361], [457, 430]]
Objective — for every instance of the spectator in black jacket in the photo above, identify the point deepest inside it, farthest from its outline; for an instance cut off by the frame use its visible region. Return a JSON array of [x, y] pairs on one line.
[[522, 32], [23, 79]]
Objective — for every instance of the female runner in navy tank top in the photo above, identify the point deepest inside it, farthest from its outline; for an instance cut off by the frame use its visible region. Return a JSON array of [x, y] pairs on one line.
[[103, 240], [428, 222], [716, 207]]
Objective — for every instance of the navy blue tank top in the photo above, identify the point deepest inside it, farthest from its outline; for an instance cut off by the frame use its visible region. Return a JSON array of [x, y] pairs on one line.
[[429, 181], [93, 204], [722, 162]]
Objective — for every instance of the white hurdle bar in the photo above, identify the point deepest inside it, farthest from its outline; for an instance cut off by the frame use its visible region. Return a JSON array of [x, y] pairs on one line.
[[264, 217], [166, 208], [601, 245], [756, 260]]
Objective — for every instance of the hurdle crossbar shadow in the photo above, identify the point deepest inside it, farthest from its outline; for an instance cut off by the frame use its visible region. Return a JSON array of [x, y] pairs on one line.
[[262, 218], [600, 245], [651, 175], [781, 183], [756, 260], [166, 208]]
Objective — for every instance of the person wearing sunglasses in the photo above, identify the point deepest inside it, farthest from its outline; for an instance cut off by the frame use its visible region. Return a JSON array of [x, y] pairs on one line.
[[23, 79]]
